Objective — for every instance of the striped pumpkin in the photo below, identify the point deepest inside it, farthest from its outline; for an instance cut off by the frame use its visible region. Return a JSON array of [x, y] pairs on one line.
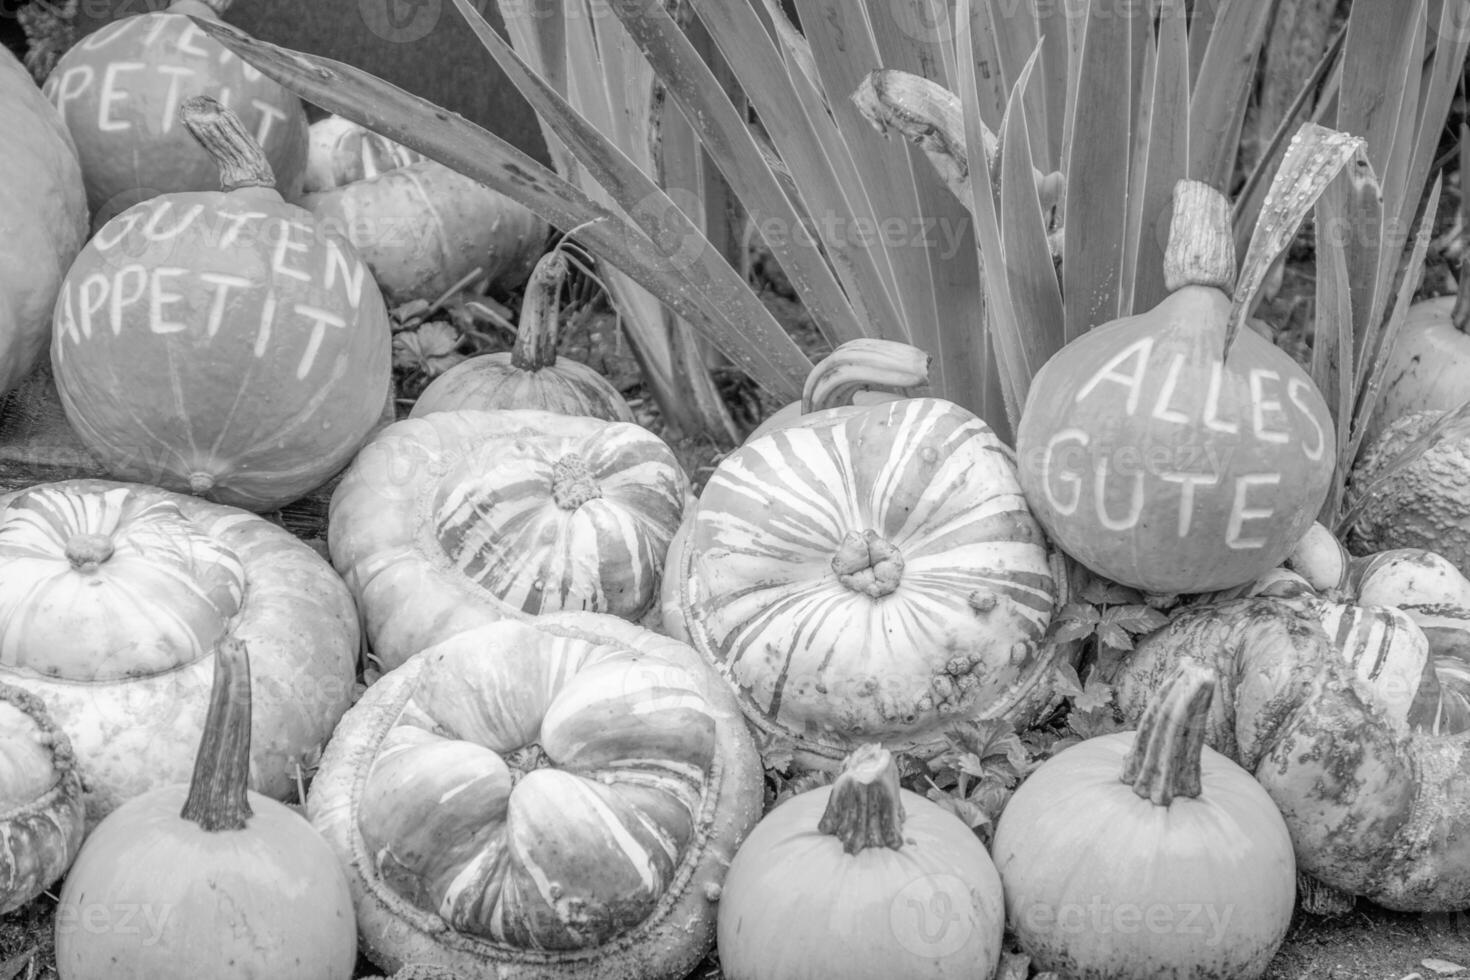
[[1389, 655], [557, 798], [868, 574], [113, 599], [461, 518]]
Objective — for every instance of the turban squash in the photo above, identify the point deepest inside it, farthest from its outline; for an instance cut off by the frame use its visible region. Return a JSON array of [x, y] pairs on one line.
[[867, 573], [44, 818], [461, 518], [113, 600], [547, 799]]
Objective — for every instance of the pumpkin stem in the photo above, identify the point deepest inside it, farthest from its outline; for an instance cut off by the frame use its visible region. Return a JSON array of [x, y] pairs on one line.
[[241, 161], [868, 563], [1201, 249], [1164, 762], [864, 809], [217, 793], [86, 551], [535, 346], [572, 482], [864, 365]]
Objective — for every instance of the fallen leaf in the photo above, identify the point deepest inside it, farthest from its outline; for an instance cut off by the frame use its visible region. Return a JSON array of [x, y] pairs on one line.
[[1443, 967]]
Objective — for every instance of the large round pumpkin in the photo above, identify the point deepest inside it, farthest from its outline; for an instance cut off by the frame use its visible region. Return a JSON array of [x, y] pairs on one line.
[[868, 573], [1160, 465], [113, 599], [461, 518], [554, 799], [44, 211], [119, 90], [221, 342]]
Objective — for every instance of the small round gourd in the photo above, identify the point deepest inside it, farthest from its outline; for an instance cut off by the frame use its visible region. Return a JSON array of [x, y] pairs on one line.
[[119, 90], [861, 880], [341, 151], [208, 879], [530, 375], [1158, 462], [45, 219], [1182, 869], [114, 599], [42, 815], [457, 519], [222, 343], [542, 800]]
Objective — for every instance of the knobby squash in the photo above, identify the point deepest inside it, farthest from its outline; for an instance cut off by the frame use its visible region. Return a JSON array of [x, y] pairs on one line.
[[867, 573], [530, 375], [119, 90], [45, 209], [215, 881], [114, 599], [861, 880], [43, 817], [222, 343], [1146, 855], [1158, 463], [461, 518], [547, 799]]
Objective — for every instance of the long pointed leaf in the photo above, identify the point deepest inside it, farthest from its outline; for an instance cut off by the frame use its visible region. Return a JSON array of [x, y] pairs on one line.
[[1220, 90], [1332, 341], [722, 309], [1168, 155], [1138, 154]]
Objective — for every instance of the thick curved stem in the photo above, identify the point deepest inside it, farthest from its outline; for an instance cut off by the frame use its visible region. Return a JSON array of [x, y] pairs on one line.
[[864, 809], [241, 161], [536, 335], [864, 365], [218, 797], [1165, 761]]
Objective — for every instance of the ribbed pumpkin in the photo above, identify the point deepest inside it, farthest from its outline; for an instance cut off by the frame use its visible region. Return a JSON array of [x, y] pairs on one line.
[[1159, 465], [119, 90], [530, 375], [43, 814], [421, 227], [1146, 855], [461, 518], [45, 219], [222, 343], [113, 599], [861, 880], [867, 573], [553, 799], [1374, 810]]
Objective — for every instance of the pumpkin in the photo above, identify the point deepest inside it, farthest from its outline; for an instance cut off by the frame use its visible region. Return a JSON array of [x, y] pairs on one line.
[[861, 880], [530, 375], [207, 879], [1320, 559], [422, 228], [45, 211], [555, 798], [340, 151], [1371, 807], [1157, 464], [1427, 365], [1423, 504], [868, 573], [119, 90], [462, 518], [222, 343], [113, 601], [1145, 855], [43, 817]]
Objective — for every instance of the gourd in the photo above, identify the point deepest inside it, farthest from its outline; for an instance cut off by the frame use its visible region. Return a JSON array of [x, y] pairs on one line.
[[1158, 464], [1371, 807], [423, 228], [119, 90], [214, 880], [45, 210], [44, 816], [1320, 558], [861, 880], [114, 599], [340, 151], [222, 343], [867, 573], [1145, 855], [530, 375], [540, 799], [456, 519], [1421, 505], [1427, 365]]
